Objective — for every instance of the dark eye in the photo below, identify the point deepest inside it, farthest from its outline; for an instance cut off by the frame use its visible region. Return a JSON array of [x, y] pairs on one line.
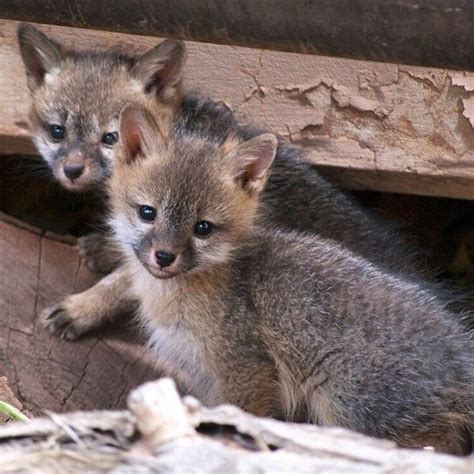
[[58, 132], [110, 138], [147, 213], [203, 228]]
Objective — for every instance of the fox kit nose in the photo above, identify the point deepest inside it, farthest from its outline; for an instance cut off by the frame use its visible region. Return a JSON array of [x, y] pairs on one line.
[[73, 171], [164, 259]]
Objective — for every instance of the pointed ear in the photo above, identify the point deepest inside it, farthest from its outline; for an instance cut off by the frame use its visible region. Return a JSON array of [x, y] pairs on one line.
[[160, 70], [40, 54], [139, 134], [251, 160]]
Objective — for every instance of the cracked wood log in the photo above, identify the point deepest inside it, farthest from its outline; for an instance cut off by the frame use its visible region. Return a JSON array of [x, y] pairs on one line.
[[49, 373], [366, 125], [162, 433]]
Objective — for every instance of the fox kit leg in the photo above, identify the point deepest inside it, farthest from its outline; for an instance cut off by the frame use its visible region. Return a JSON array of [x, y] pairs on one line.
[[98, 252], [77, 314]]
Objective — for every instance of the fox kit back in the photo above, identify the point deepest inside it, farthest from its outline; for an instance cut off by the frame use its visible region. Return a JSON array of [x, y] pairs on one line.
[[281, 324]]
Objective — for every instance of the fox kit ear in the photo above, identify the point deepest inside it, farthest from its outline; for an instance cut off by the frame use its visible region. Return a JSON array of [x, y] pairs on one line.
[[139, 133], [160, 69], [40, 54], [251, 160]]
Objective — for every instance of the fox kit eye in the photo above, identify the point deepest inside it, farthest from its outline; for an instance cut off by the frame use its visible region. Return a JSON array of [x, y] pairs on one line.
[[147, 213], [58, 132], [203, 228], [110, 138]]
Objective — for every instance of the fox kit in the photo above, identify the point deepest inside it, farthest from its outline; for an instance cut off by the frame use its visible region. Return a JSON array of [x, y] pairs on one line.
[[77, 97], [279, 323]]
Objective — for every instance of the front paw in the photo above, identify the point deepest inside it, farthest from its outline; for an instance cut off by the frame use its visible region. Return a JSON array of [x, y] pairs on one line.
[[60, 321], [96, 251]]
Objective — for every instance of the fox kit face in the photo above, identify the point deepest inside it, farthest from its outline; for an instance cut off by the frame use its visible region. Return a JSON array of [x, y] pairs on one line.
[[77, 98], [183, 206]]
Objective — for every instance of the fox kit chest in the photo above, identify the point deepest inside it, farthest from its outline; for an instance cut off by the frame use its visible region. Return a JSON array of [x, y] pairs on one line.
[[175, 319], [172, 304]]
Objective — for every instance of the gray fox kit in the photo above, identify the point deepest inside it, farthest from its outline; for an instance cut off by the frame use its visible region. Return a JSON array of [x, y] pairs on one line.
[[76, 99], [280, 323]]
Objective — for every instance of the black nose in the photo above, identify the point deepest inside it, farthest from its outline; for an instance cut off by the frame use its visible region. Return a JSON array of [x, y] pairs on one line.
[[164, 259], [73, 171]]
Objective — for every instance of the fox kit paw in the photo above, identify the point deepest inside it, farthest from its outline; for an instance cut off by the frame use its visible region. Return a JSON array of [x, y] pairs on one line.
[[60, 321], [96, 252]]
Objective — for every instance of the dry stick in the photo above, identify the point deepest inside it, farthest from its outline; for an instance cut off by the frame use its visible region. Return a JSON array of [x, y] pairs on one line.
[[160, 415]]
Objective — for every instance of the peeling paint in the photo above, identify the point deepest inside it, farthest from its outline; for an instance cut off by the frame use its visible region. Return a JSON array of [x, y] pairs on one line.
[[347, 98], [463, 79], [468, 110], [361, 115], [285, 111], [301, 88], [434, 77]]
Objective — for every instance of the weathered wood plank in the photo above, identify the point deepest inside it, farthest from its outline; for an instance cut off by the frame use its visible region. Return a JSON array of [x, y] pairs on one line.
[[420, 32], [369, 125]]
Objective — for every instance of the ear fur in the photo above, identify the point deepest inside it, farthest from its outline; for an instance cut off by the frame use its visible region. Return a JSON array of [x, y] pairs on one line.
[[251, 160], [160, 70], [39, 53], [139, 133]]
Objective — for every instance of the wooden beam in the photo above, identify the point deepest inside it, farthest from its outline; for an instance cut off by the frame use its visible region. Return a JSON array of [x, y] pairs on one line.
[[345, 162], [421, 32]]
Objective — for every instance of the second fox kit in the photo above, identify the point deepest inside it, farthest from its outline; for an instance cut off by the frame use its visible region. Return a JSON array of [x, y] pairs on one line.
[[76, 97], [280, 324]]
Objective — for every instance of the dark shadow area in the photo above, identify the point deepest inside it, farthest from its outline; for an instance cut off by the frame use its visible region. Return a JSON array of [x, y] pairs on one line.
[[28, 191]]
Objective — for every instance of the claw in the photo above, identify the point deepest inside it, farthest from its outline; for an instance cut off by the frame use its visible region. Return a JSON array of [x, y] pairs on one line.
[[70, 332], [49, 313], [57, 321]]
